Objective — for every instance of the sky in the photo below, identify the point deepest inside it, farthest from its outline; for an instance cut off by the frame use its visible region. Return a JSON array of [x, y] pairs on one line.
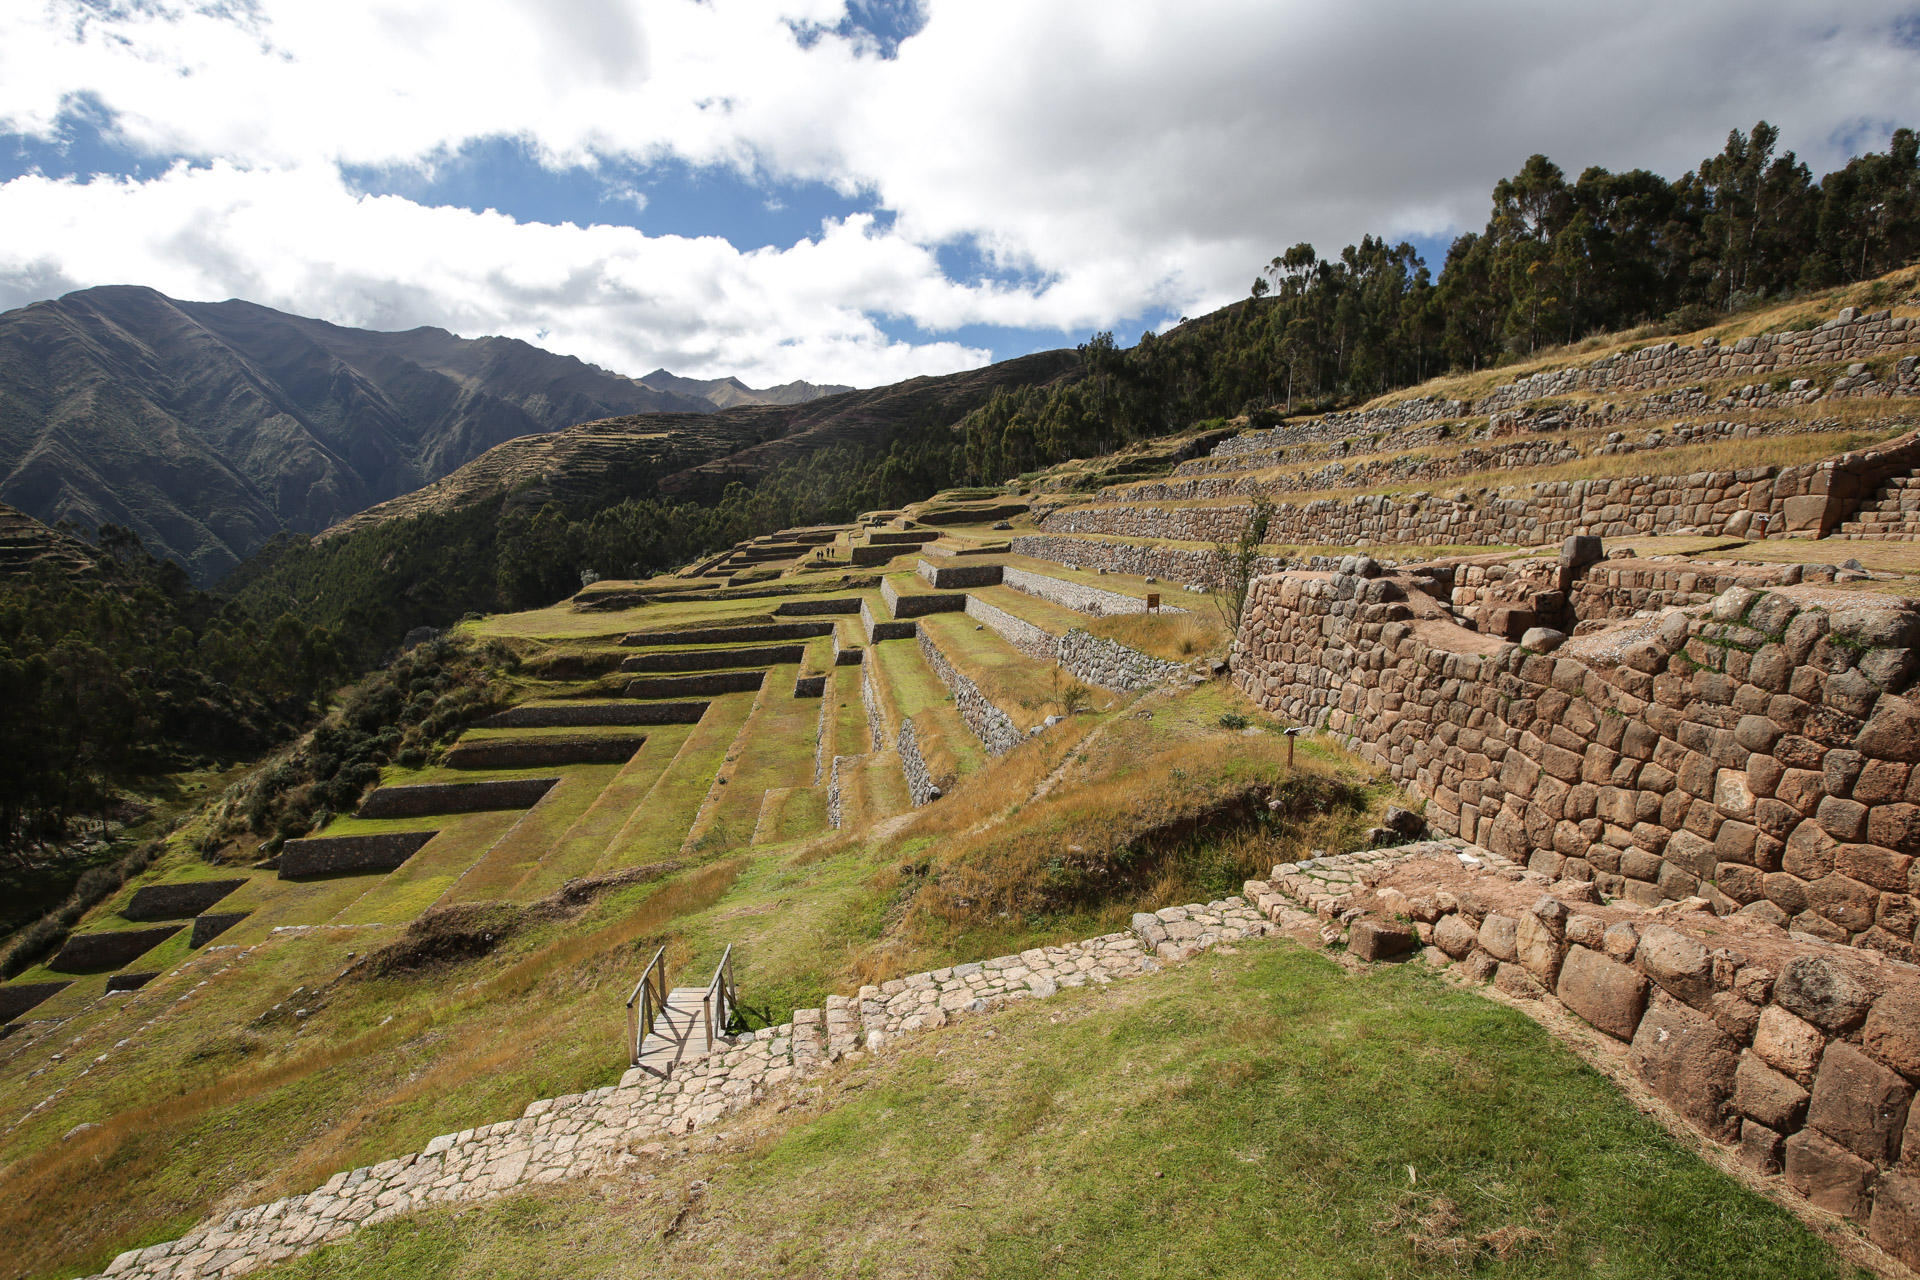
[[851, 191]]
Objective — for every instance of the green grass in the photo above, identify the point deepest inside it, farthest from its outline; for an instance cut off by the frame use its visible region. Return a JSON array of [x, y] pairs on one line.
[[1027, 691], [658, 826], [1265, 1114], [775, 749]]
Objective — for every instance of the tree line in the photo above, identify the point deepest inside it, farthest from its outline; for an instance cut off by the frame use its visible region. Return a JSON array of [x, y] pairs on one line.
[[1557, 260], [130, 670]]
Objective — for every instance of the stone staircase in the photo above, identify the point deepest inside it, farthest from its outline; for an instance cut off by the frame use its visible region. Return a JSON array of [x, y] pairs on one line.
[[1892, 516]]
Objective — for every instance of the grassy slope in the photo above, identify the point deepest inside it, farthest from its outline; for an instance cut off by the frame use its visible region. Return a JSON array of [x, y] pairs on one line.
[[1258, 1114]]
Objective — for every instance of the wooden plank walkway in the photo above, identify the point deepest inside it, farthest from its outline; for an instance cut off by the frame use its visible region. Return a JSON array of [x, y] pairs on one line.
[[679, 1032]]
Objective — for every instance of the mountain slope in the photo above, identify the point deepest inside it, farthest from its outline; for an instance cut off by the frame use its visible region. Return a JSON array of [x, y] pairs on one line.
[[694, 458], [208, 427]]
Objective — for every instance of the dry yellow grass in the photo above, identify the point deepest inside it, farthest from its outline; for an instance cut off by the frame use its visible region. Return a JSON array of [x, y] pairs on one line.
[[1174, 637]]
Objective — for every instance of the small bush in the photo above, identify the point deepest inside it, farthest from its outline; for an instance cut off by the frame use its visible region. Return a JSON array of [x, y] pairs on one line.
[[1233, 720]]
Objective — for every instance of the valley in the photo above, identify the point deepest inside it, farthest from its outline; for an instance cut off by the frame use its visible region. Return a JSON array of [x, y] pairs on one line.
[[1521, 880]]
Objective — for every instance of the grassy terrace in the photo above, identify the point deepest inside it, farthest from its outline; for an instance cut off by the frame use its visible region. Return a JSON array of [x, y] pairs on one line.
[[1022, 688], [908, 688], [1259, 1114], [775, 749], [1721, 455]]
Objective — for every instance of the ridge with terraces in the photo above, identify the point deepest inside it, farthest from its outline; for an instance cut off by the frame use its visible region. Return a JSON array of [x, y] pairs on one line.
[[1588, 687]]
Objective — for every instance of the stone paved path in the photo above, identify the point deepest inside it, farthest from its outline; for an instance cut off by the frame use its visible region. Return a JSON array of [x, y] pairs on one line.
[[587, 1134]]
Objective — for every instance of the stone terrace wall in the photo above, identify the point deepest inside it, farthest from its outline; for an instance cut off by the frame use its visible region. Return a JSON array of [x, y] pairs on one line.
[[532, 753], [110, 950], [995, 729], [1761, 757], [1810, 498], [712, 682], [846, 604], [712, 659], [1850, 336], [1112, 665], [426, 798], [746, 634], [177, 901], [1359, 475], [327, 855], [1077, 596], [1034, 641], [583, 714], [1169, 564]]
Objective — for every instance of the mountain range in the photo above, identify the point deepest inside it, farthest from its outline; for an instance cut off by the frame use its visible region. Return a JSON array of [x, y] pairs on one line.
[[209, 427]]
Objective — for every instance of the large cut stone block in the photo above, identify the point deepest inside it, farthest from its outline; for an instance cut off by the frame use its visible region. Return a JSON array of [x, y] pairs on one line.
[[1609, 995], [1859, 1103]]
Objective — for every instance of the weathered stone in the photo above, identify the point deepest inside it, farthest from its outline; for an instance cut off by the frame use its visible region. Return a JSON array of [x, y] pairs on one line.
[[1773, 1099], [1827, 1174], [1892, 1032], [1677, 962], [1455, 936], [1859, 1103], [1824, 993], [1610, 995], [1379, 939], [1760, 1147], [1689, 1061], [1895, 1225], [1498, 936]]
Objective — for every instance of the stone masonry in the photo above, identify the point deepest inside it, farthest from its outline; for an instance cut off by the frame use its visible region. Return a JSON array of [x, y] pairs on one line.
[[1758, 754], [601, 1131]]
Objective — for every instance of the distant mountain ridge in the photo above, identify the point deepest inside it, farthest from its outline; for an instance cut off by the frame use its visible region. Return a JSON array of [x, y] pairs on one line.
[[730, 393], [209, 427]]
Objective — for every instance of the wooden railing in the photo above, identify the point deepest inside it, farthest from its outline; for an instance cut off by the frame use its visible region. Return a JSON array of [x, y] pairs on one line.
[[644, 1005], [722, 997]]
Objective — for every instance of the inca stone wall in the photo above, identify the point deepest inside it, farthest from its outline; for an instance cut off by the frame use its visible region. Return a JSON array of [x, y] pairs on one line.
[[989, 723], [1752, 502], [1760, 756], [1803, 1053], [746, 634], [846, 604], [1850, 336], [533, 753], [711, 682], [921, 604], [18, 998], [1182, 565], [208, 927], [429, 798], [583, 714], [1109, 664], [1074, 595], [954, 577], [86, 952], [329, 855], [177, 901], [913, 766], [710, 659], [1034, 641]]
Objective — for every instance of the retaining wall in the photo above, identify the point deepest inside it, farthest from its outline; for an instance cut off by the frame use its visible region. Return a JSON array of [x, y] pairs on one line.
[[845, 604], [90, 952], [950, 577], [1812, 498], [732, 635], [532, 753], [921, 604], [1034, 641], [208, 927], [17, 998], [1848, 336], [1761, 757], [712, 682], [1177, 565], [177, 901], [1109, 664], [900, 538], [583, 714], [995, 729], [1077, 596], [425, 799], [810, 686], [329, 855], [920, 784], [711, 659], [130, 981], [878, 630]]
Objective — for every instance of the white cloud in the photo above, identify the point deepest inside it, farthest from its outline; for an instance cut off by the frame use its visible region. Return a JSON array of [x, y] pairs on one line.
[[1132, 157]]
